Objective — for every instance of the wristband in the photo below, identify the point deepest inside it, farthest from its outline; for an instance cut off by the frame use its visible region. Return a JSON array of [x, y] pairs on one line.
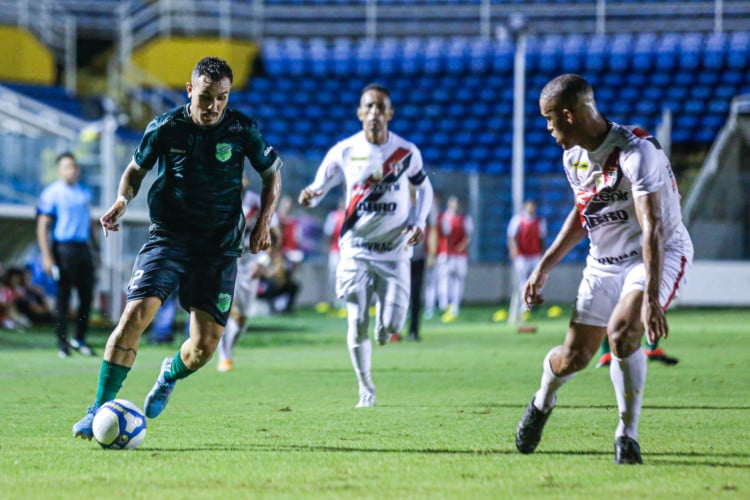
[[123, 199]]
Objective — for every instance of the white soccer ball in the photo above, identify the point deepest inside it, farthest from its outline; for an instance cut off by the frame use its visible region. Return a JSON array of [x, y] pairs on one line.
[[120, 425]]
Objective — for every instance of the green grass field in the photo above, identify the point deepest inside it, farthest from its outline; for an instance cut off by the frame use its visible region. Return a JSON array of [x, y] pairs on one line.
[[283, 423]]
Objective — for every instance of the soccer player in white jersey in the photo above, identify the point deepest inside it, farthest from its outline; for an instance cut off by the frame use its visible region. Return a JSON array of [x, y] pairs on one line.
[[381, 226], [246, 284], [626, 201]]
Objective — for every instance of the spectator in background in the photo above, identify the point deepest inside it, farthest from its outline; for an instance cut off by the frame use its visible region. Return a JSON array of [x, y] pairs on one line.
[[457, 228], [276, 275], [526, 233], [332, 229], [65, 237], [30, 299], [289, 225]]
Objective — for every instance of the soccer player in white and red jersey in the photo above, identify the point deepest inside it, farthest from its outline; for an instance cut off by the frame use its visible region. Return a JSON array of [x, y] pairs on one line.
[[457, 228], [628, 205], [526, 233], [380, 227], [246, 284]]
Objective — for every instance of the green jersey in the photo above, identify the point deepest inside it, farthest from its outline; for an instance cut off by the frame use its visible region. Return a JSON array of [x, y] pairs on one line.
[[196, 200]]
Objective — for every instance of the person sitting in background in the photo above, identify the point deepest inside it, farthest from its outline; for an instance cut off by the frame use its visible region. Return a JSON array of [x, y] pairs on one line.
[[30, 299], [276, 283]]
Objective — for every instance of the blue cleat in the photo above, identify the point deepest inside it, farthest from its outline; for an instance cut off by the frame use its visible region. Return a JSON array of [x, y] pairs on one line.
[[84, 428], [157, 399]]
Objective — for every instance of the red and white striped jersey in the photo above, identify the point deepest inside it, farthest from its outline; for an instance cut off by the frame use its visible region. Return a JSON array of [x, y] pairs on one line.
[[628, 164], [378, 204]]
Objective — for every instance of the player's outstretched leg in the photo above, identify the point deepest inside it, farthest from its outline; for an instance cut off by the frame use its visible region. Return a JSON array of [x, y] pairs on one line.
[[84, 428], [627, 451], [529, 431], [157, 399]]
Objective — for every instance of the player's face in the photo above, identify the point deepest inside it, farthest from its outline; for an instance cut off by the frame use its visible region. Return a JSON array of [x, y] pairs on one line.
[[375, 112], [557, 123], [208, 99], [69, 171]]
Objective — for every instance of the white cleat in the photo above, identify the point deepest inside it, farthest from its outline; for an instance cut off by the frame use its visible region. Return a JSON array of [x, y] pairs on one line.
[[366, 400]]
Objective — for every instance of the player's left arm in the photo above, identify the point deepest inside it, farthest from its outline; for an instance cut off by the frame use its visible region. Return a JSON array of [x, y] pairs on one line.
[[260, 236], [423, 201], [644, 167], [648, 210], [266, 161]]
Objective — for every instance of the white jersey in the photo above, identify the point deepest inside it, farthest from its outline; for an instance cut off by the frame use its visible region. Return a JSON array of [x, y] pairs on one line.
[[378, 203], [628, 164]]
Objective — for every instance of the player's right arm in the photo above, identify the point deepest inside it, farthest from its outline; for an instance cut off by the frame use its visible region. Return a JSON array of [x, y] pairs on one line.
[[130, 183], [571, 233], [329, 174]]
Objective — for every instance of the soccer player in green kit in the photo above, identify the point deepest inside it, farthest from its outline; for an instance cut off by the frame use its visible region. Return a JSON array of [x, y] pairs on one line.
[[195, 233]]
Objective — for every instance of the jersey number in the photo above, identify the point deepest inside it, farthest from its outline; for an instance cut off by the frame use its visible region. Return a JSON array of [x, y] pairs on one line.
[[136, 276]]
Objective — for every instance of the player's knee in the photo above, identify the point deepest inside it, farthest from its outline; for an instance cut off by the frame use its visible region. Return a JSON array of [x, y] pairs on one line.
[[200, 355], [356, 333], [624, 337], [572, 359]]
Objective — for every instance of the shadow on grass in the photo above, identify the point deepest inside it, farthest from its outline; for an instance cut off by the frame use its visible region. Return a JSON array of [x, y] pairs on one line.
[[613, 406], [657, 458]]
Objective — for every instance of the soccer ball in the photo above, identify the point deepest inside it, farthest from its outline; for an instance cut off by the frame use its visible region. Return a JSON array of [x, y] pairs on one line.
[[120, 425]]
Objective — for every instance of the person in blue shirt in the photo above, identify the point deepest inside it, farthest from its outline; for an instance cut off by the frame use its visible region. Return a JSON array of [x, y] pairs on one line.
[[64, 235]]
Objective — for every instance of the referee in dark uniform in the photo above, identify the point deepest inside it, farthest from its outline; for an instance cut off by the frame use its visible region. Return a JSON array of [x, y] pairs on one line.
[[63, 213]]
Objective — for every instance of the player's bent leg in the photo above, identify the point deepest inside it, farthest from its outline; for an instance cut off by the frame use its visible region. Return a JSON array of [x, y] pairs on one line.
[[119, 355], [558, 367], [391, 320], [194, 353]]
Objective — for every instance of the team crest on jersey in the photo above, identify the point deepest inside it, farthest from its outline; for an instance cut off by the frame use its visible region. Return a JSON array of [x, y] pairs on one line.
[[223, 152], [235, 127], [224, 302]]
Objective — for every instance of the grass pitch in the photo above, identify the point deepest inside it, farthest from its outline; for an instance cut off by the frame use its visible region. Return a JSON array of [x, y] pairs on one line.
[[283, 423]]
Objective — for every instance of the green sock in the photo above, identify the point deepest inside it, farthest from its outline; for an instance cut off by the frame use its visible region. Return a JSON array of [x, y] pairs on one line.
[[651, 346], [605, 347], [178, 369], [111, 377]]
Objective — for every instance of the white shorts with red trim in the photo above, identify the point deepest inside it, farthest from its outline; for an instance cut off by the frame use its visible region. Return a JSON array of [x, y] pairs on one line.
[[603, 286]]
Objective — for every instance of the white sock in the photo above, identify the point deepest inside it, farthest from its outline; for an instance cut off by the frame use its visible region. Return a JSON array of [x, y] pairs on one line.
[[228, 338], [361, 355], [545, 397], [629, 378]]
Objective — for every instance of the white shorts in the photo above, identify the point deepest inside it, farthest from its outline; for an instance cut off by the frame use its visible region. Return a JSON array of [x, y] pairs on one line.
[[603, 286], [245, 286], [456, 266], [388, 280]]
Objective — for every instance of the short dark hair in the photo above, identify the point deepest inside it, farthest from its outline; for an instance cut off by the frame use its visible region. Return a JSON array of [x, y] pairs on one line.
[[377, 87], [63, 155], [214, 68], [567, 90]]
